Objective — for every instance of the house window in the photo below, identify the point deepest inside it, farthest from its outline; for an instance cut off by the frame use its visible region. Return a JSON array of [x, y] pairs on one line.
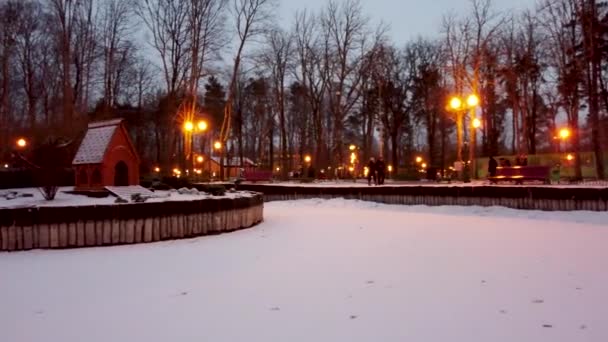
[[96, 177]]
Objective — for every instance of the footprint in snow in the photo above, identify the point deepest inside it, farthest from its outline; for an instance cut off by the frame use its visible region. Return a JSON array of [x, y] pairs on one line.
[[370, 282], [538, 301], [353, 317], [583, 327], [547, 326], [504, 312], [276, 308]]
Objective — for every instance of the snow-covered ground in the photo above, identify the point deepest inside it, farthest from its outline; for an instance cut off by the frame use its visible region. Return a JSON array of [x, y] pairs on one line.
[[327, 271]]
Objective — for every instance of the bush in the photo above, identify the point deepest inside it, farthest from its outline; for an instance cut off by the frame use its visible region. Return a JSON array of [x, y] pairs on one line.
[[213, 189]]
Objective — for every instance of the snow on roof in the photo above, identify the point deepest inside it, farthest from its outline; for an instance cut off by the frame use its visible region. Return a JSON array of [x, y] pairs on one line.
[[235, 161], [96, 142]]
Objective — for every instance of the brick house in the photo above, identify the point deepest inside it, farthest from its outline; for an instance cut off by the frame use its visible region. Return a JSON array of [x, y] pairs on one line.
[[106, 157]]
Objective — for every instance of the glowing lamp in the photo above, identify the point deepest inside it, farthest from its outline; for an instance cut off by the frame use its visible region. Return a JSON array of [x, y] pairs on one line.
[[200, 159], [564, 133], [455, 103], [307, 159], [188, 126], [472, 101], [476, 123], [202, 125], [21, 142], [217, 145]]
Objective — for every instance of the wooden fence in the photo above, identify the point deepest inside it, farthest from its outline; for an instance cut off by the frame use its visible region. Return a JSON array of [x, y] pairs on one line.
[[103, 225]]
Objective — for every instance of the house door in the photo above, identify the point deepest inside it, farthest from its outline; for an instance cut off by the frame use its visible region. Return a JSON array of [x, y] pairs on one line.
[[121, 174]]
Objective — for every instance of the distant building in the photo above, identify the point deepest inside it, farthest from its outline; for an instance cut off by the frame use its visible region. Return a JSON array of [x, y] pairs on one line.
[[106, 157], [232, 166]]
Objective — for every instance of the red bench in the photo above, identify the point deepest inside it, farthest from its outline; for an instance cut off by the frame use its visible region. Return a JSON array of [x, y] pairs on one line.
[[257, 176], [519, 174]]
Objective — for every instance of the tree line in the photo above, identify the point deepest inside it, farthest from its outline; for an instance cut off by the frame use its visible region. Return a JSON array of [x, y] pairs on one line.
[[329, 80]]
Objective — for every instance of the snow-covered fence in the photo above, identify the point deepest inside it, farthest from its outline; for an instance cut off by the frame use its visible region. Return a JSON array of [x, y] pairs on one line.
[[103, 225], [516, 197]]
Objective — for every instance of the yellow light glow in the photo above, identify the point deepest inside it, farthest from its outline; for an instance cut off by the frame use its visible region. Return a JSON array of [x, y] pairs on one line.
[[365, 171], [564, 133], [418, 160], [455, 103], [278, 169], [200, 159], [177, 171], [21, 142], [188, 126], [423, 165], [352, 147], [353, 158], [157, 169], [202, 125], [390, 168], [307, 159], [351, 169], [217, 145], [6, 166], [570, 157], [476, 123], [472, 100]]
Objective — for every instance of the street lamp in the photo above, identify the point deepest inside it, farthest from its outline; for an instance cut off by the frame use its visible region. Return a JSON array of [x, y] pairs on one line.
[[352, 147], [217, 145], [200, 159], [471, 103], [476, 123], [564, 133], [307, 159], [21, 143], [456, 103], [418, 160], [188, 126], [202, 125]]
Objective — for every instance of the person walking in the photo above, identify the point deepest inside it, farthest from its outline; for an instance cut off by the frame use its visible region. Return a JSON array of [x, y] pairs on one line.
[[381, 170], [371, 172], [492, 165]]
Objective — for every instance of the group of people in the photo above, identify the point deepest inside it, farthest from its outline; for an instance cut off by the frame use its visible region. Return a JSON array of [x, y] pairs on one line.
[[376, 171]]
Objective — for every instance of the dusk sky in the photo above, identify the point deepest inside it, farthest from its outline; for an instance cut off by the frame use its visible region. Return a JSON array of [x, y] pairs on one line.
[[407, 18]]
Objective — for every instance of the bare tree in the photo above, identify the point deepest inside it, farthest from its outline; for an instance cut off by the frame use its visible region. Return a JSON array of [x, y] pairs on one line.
[[251, 19], [345, 29], [276, 59], [116, 28]]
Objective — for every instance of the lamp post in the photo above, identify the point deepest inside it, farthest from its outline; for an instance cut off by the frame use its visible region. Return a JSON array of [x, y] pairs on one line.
[[307, 160], [470, 104], [218, 147], [190, 129]]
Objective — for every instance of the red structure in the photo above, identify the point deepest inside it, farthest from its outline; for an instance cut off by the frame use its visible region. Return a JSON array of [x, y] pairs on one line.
[[106, 157]]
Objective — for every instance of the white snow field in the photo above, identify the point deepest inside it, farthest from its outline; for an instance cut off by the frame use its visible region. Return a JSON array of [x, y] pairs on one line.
[[332, 270]]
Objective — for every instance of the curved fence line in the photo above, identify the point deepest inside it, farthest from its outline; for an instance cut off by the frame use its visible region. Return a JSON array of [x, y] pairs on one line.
[[531, 198], [106, 225]]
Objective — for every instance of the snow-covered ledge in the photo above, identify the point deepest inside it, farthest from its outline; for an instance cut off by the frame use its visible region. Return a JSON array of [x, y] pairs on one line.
[[25, 228], [548, 198]]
